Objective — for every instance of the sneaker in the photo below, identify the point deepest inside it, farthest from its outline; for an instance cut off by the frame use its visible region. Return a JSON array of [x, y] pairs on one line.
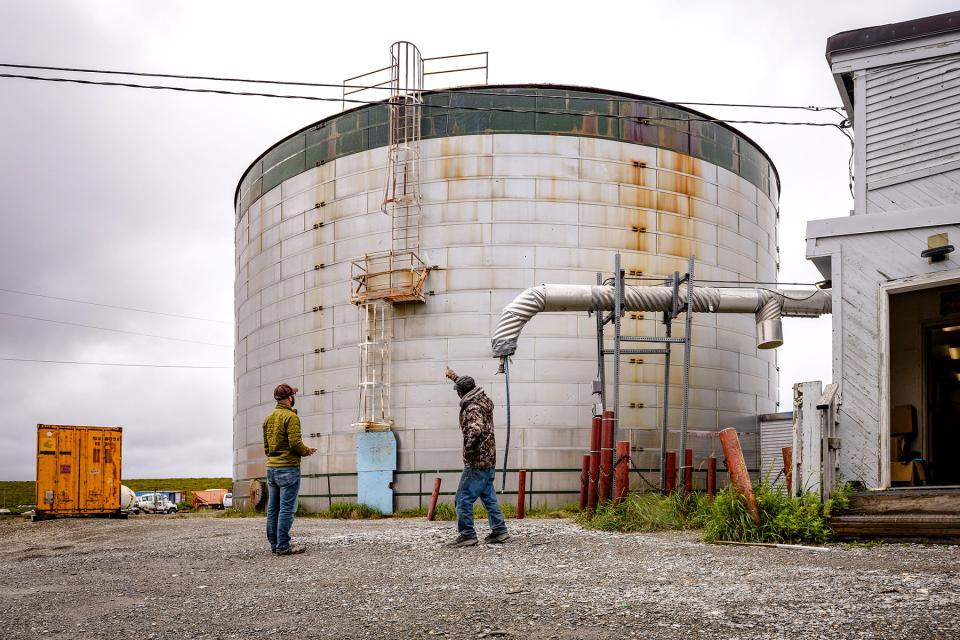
[[289, 551], [462, 541], [496, 537]]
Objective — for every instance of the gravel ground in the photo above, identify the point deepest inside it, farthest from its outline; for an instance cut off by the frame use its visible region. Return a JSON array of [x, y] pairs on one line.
[[205, 577]]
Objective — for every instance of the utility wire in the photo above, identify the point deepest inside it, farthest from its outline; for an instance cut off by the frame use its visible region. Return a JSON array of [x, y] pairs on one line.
[[116, 364], [113, 306], [482, 92], [93, 326], [641, 119]]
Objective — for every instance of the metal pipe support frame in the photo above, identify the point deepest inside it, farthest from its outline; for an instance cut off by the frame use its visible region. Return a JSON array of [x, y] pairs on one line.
[[767, 305]]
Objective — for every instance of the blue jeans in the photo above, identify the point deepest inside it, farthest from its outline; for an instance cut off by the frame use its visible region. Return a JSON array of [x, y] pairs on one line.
[[284, 485], [478, 483]]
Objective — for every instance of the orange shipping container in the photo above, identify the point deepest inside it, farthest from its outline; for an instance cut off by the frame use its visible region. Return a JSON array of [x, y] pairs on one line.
[[78, 470]]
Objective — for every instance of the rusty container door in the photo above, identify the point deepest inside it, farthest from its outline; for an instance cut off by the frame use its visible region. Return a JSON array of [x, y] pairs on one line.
[[99, 487], [78, 470]]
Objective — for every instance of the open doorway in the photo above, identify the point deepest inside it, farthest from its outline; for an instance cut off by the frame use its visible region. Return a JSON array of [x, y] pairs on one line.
[[925, 387]]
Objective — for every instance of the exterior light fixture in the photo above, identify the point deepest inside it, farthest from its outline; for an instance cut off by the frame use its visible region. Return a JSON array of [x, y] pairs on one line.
[[938, 248]]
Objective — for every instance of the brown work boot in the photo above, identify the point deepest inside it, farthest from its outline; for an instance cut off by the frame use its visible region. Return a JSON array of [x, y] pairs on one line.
[[289, 551], [462, 541], [496, 537]]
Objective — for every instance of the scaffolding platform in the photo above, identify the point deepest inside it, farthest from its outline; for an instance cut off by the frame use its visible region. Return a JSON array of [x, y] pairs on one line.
[[391, 276]]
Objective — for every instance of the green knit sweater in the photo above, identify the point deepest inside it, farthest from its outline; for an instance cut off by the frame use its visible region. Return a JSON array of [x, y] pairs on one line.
[[282, 442]]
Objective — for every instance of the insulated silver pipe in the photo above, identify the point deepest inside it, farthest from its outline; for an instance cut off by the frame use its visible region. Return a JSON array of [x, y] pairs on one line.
[[767, 305]]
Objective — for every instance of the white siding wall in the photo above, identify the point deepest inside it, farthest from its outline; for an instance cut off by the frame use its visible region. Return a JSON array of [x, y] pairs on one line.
[[860, 263], [912, 134]]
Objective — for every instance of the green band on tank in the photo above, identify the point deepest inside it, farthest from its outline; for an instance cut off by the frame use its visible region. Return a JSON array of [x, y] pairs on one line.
[[586, 113]]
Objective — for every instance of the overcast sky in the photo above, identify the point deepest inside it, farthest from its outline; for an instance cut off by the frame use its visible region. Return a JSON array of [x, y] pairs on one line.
[[124, 196]]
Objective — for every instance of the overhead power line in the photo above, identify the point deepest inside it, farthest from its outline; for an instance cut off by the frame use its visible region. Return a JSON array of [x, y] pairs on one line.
[[117, 364], [113, 306], [483, 92], [132, 85], [93, 326]]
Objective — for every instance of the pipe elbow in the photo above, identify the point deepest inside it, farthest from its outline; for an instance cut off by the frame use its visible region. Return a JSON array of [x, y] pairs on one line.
[[769, 323]]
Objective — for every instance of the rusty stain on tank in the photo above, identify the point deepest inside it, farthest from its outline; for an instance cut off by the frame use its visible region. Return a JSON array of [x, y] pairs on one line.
[[640, 218], [637, 176], [591, 124], [644, 198], [683, 184], [679, 162], [674, 246], [673, 203], [549, 188], [675, 225], [645, 241]]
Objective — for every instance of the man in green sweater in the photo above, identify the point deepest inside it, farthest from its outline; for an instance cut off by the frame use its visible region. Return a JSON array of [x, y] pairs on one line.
[[283, 445]]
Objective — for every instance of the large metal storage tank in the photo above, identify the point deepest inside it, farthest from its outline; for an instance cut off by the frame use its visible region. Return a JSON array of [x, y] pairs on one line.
[[511, 198]]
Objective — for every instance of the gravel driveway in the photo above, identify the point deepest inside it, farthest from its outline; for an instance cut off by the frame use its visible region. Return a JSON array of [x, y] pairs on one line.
[[205, 577]]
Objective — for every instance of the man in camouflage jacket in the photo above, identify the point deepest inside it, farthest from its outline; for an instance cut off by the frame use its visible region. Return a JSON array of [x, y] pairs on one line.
[[479, 461]]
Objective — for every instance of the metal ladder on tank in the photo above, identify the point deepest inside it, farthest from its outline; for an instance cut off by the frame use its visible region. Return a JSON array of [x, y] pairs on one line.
[[618, 281], [385, 278], [397, 275]]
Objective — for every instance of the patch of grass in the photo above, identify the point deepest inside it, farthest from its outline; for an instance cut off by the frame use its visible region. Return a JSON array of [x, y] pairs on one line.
[[563, 511], [783, 519], [445, 512], [350, 511], [17, 492], [649, 512], [240, 513], [416, 512], [840, 500]]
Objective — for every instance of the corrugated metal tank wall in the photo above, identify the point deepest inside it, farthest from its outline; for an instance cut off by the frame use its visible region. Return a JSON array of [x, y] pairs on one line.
[[501, 212]]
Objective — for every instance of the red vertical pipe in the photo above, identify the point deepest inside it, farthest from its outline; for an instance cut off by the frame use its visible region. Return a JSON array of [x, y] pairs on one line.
[[788, 468], [711, 476], [606, 457], [433, 498], [595, 429], [623, 471], [688, 471], [737, 468], [521, 492], [671, 472], [584, 480]]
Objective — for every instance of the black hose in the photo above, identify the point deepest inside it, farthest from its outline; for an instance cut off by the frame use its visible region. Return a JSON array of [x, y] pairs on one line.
[[506, 450]]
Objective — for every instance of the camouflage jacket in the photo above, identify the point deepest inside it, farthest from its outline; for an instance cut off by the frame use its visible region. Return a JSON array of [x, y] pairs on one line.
[[476, 423]]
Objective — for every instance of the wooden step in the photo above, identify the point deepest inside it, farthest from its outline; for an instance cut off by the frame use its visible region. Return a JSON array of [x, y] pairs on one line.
[[906, 501], [914, 525]]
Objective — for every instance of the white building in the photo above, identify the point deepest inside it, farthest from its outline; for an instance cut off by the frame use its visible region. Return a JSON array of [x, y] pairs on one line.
[[896, 311]]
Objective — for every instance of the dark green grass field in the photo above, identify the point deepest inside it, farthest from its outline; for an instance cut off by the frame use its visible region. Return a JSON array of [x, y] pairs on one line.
[[22, 492]]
